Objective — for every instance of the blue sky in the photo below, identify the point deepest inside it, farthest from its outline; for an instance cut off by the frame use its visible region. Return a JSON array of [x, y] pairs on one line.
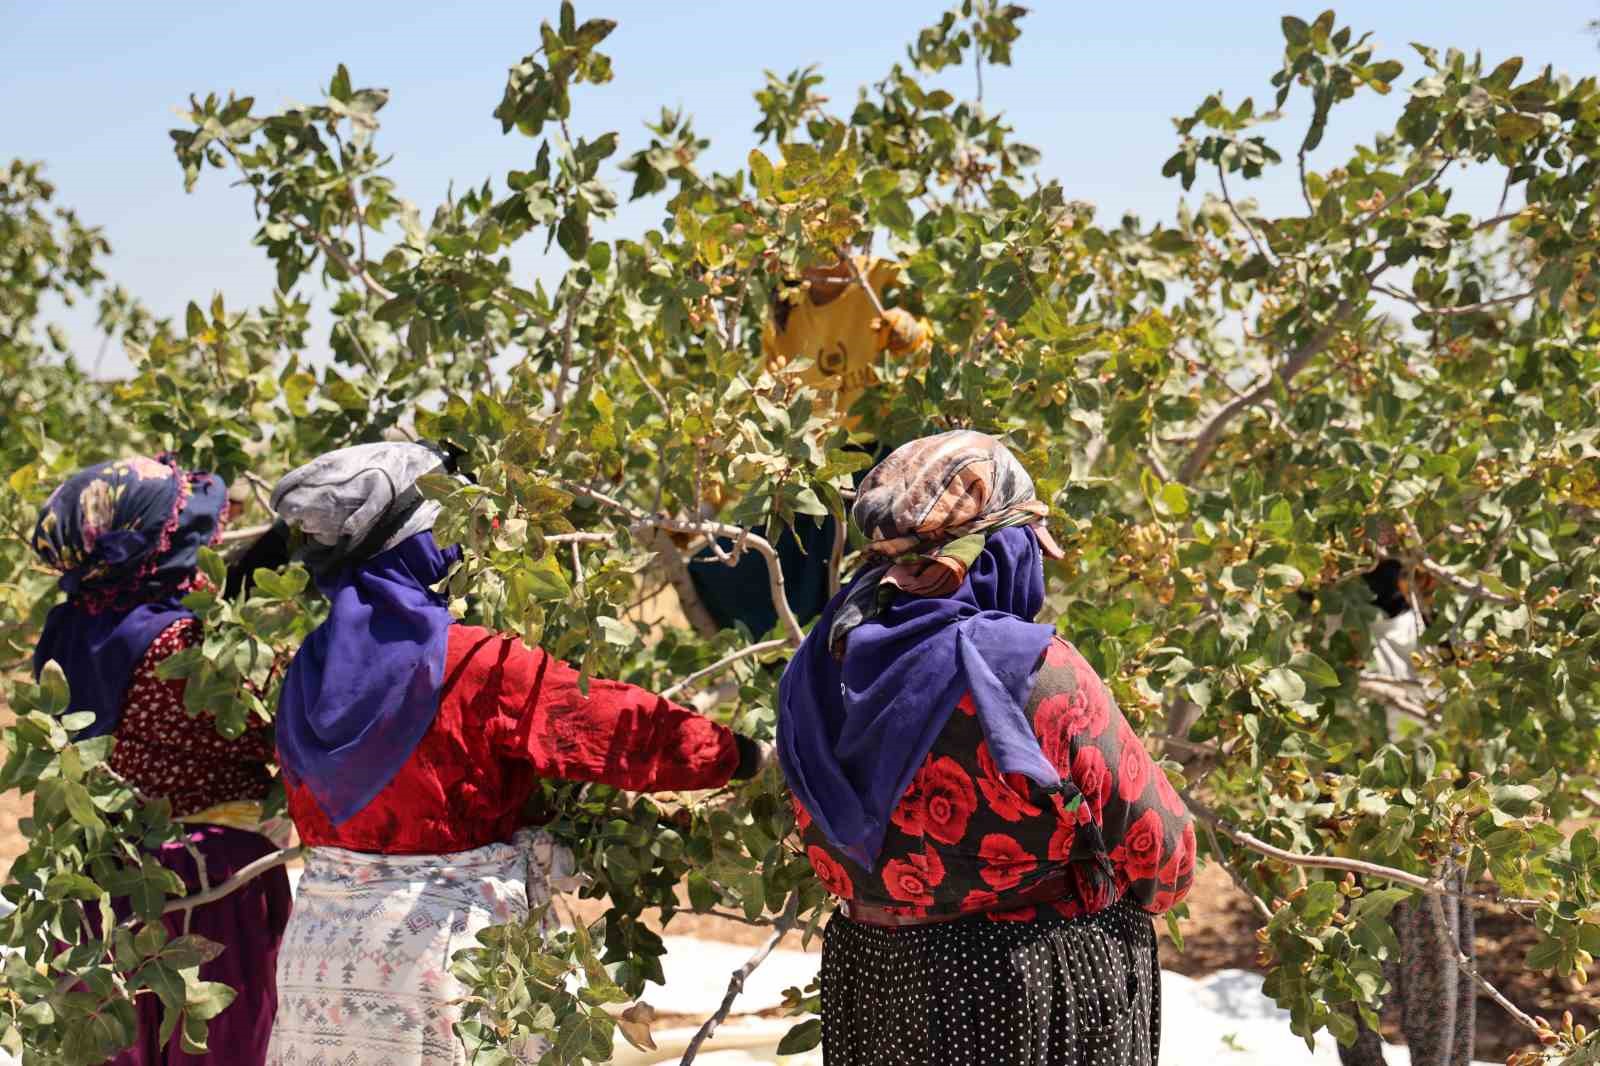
[[91, 88]]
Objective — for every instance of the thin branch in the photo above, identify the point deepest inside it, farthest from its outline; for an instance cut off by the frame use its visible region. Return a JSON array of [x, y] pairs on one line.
[[649, 385], [1462, 584], [861, 279], [1211, 433], [577, 567], [234, 536], [780, 929], [1305, 187], [1459, 309], [1263, 911], [1495, 994], [332, 250], [246, 874], [757, 543], [1334, 862], [559, 393], [1227, 198], [582, 536], [1383, 690], [725, 661], [1399, 197], [734, 916]]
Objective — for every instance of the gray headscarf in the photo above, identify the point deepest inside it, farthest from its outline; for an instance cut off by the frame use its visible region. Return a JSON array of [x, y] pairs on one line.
[[353, 503]]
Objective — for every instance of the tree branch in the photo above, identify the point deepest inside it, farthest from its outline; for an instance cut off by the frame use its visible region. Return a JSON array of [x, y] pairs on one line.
[[331, 249], [558, 394], [1459, 309], [861, 279], [1334, 862], [725, 661], [1461, 584], [245, 875], [1211, 433], [1255, 239], [780, 929], [1384, 691], [754, 541]]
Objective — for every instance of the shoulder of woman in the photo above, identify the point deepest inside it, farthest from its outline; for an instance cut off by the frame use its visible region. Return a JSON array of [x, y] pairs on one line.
[[1062, 669], [476, 656]]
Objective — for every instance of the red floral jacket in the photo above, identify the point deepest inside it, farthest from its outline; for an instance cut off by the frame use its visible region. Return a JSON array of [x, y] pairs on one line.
[[966, 838]]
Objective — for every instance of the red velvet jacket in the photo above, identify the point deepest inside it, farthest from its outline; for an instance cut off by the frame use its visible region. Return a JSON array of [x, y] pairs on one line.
[[510, 715]]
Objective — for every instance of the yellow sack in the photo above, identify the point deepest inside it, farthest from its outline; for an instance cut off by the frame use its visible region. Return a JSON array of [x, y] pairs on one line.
[[830, 320]]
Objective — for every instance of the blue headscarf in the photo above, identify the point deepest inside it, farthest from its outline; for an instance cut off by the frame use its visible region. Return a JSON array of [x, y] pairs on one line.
[[125, 536], [852, 731], [364, 688]]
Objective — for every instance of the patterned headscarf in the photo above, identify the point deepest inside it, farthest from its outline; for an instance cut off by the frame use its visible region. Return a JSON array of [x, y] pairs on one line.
[[363, 689], [927, 510], [125, 536], [945, 607]]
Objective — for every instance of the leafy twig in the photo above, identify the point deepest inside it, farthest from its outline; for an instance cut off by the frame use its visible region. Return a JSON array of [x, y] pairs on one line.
[[1250, 231], [1460, 309], [757, 543], [246, 874], [1475, 589], [1335, 862]]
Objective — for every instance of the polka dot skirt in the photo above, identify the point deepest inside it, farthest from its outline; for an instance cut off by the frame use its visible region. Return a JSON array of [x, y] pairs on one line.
[[974, 992]]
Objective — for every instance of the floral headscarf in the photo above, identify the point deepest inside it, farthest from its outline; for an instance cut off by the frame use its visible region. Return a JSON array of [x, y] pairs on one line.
[[946, 606], [125, 536], [927, 511]]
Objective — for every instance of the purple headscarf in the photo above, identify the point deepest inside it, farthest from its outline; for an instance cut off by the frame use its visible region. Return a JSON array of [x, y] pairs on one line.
[[125, 536], [853, 731], [364, 688]]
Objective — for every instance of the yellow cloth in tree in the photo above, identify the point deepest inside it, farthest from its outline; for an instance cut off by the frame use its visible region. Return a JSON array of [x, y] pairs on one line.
[[829, 319]]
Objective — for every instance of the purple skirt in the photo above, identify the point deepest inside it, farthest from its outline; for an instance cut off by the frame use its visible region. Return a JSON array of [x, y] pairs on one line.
[[249, 925]]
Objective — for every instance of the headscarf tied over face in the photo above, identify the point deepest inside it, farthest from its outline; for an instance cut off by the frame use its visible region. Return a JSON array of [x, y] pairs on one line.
[[364, 688], [125, 536], [869, 691]]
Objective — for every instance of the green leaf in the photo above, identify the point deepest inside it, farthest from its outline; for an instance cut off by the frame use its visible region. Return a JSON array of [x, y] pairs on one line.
[[1285, 684], [801, 1038], [1314, 670]]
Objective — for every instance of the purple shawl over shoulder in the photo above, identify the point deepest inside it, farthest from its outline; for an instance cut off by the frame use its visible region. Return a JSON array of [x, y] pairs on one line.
[[852, 732]]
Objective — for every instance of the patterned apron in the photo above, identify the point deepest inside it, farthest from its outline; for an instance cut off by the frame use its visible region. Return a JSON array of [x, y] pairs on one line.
[[364, 972]]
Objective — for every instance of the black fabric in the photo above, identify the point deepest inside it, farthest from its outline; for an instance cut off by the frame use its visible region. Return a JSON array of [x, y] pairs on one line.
[[270, 551], [739, 594], [749, 757], [1383, 581], [976, 992]]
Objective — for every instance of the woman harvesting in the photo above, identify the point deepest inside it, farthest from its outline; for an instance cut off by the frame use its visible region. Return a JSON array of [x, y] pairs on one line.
[[996, 833]]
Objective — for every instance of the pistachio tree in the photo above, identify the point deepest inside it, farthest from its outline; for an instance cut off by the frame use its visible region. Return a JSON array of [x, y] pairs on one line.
[[1234, 414]]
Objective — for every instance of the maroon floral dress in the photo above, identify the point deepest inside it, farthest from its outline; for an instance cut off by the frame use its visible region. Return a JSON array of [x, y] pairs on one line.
[[966, 838]]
